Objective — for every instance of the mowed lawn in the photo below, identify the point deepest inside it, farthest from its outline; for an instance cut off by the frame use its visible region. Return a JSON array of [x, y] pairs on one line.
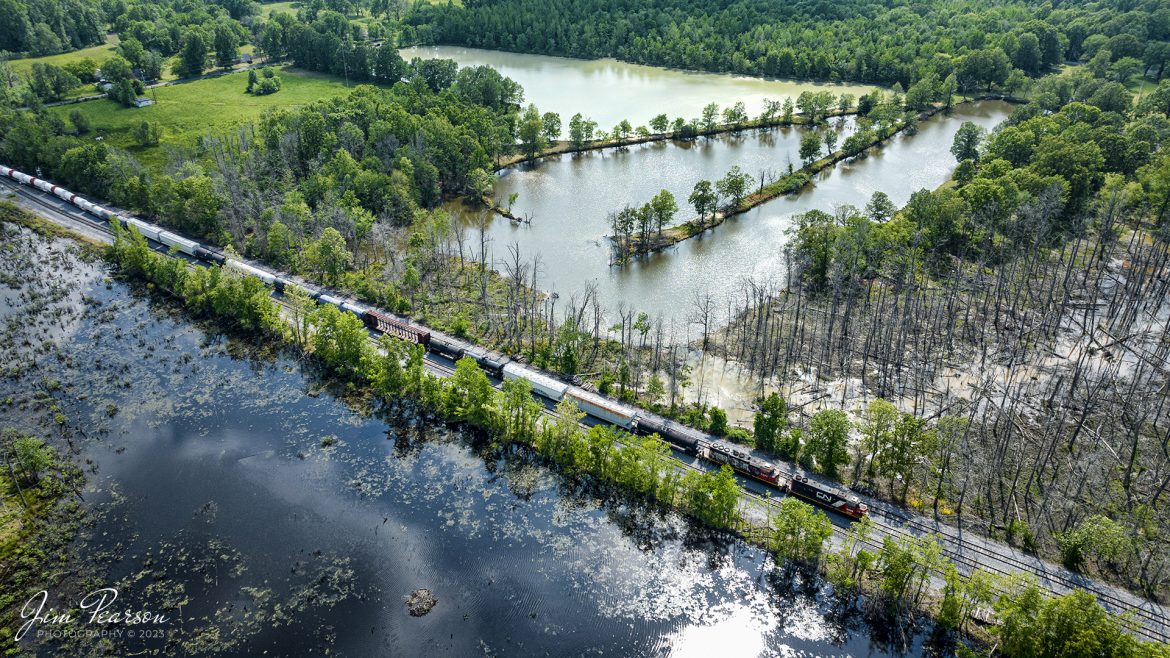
[[269, 8], [96, 53], [189, 110], [1141, 87]]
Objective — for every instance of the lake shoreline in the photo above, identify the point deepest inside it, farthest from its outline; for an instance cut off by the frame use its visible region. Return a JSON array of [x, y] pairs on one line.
[[785, 185], [564, 147]]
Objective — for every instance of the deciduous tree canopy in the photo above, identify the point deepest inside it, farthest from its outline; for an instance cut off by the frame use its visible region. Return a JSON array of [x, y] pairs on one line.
[[862, 40]]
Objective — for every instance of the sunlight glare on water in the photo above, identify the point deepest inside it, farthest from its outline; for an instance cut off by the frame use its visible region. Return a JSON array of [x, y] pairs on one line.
[[737, 632]]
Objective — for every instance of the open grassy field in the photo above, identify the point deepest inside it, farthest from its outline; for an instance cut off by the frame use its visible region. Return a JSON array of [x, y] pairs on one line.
[[268, 8], [100, 53], [1140, 86], [188, 110], [292, 6], [96, 53]]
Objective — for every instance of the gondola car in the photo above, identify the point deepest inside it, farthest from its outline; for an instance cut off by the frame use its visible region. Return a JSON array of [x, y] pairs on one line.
[[392, 326], [819, 494]]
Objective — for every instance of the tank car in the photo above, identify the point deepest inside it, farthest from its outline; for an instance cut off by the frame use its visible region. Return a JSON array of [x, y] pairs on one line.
[[63, 194], [209, 255], [87, 207], [493, 362], [351, 306], [447, 345], [651, 423], [687, 438], [326, 298]]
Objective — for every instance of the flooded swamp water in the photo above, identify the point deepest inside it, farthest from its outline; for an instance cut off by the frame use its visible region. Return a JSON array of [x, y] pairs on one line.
[[266, 511]]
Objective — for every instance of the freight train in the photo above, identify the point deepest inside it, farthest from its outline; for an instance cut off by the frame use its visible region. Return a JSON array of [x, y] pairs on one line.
[[599, 407]]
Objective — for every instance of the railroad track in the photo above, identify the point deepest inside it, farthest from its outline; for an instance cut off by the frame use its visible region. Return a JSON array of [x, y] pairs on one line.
[[978, 555], [1152, 625], [965, 553]]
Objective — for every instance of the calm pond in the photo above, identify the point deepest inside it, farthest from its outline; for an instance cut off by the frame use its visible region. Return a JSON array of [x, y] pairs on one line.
[[569, 199], [608, 91], [243, 497]]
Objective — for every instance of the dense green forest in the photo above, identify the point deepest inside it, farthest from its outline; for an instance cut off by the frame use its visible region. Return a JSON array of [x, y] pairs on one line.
[[967, 45], [345, 162], [1057, 151], [44, 27], [981, 44], [859, 40]]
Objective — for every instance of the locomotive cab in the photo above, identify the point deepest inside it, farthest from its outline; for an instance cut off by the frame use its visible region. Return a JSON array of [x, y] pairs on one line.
[[859, 508]]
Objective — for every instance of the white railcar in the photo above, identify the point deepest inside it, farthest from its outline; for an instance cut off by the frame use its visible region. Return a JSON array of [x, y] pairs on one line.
[[601, 407], [541, 383], [352, 307], [244, 268], [179, 242], [148, 231], [64, 194]]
